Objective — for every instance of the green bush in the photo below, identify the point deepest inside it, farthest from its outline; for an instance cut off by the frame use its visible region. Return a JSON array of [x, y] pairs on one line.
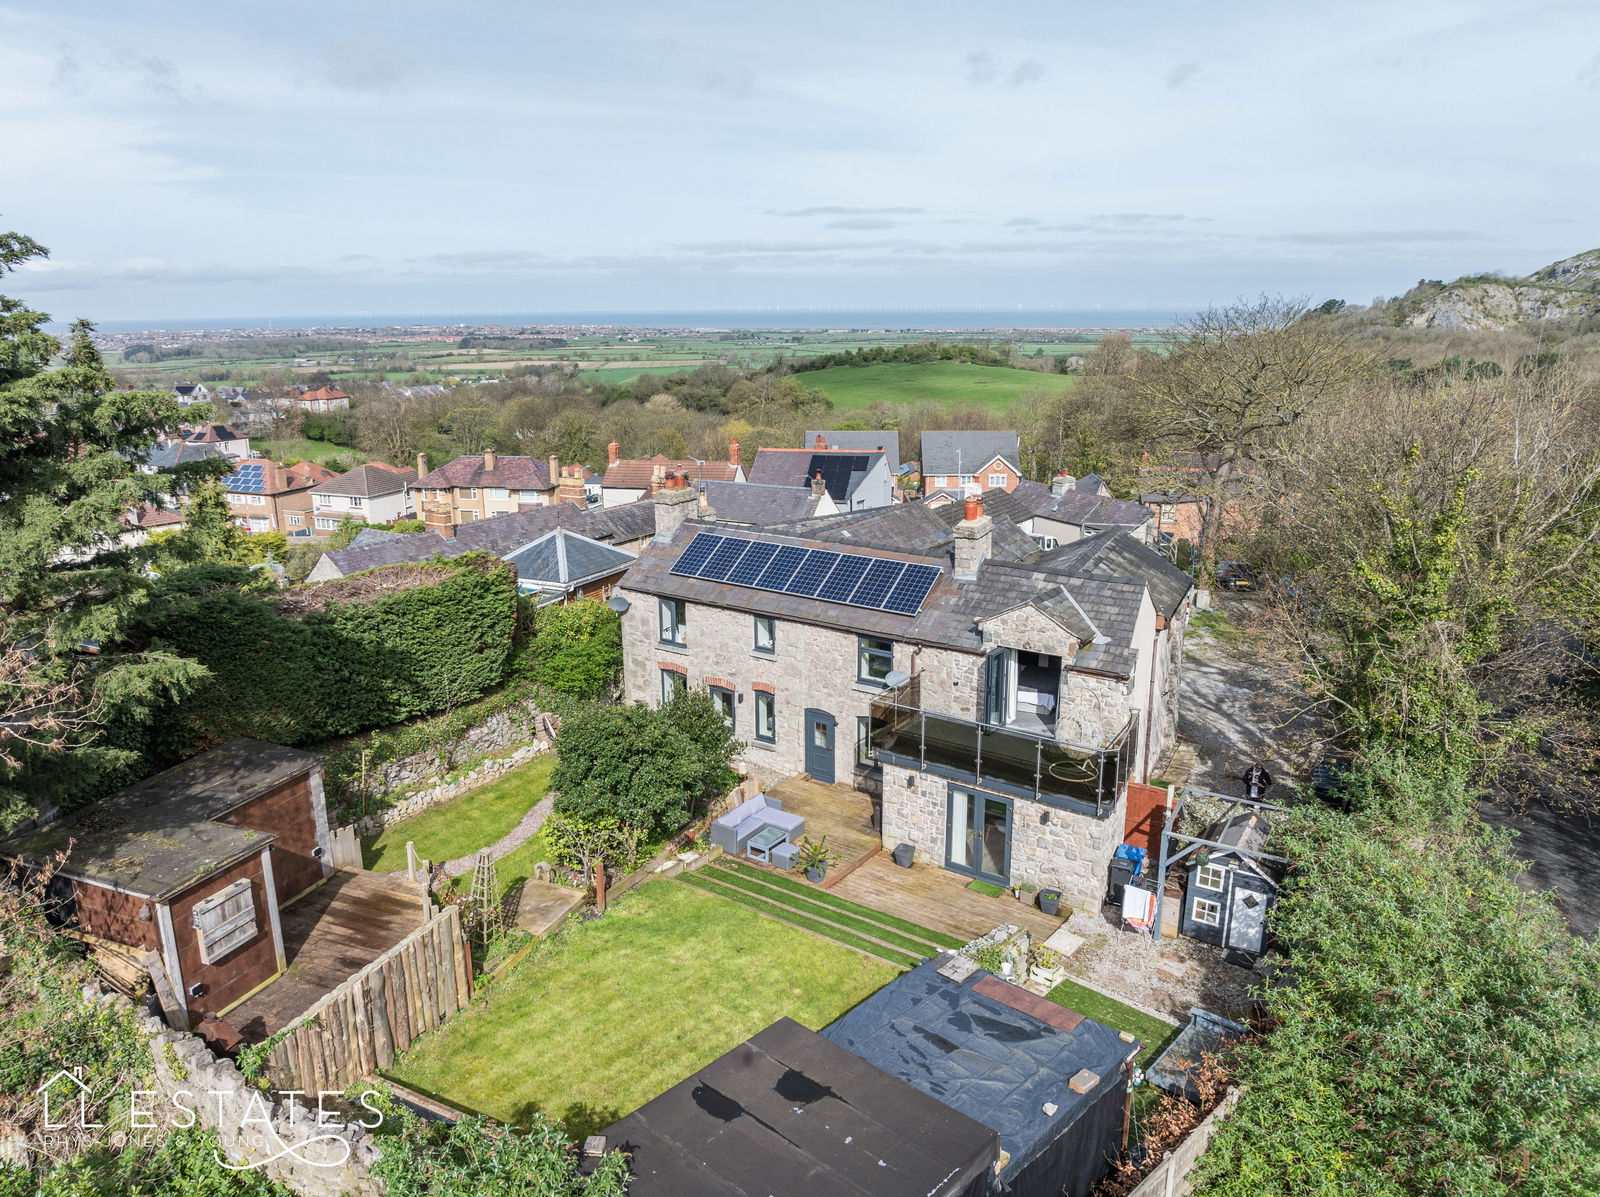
[[335, 657], [577, 648]]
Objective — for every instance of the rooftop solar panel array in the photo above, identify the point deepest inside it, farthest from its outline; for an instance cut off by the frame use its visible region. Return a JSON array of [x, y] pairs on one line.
[[859, 581], [247, 479]]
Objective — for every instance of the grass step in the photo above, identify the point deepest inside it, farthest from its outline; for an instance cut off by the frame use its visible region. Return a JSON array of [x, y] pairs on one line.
[[822, 930], [826, 914], [822, 897]]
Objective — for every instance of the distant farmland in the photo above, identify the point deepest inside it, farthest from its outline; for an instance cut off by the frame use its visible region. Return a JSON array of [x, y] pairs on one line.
[[853, 388]]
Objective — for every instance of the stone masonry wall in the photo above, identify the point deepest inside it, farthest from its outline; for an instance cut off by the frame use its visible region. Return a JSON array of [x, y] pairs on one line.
[[521, 725], [481, 774], [253, 1125]]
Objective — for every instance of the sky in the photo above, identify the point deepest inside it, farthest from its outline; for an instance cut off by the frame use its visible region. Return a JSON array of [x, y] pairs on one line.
[[183, 159]]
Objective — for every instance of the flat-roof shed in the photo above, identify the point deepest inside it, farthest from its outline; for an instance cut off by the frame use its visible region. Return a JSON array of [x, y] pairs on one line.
[[1053, 1084], [789, 1114]]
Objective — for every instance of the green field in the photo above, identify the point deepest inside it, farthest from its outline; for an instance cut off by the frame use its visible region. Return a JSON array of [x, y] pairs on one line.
[[855, 388], [289, 450]]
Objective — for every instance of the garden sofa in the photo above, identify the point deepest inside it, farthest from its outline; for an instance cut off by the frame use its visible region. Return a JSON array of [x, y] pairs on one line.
[[734, 830]]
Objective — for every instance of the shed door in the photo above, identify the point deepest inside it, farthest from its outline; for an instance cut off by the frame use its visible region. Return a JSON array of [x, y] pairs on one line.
[[1247, 919]]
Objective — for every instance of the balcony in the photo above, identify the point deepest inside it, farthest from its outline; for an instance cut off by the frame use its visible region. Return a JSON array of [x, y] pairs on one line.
[[1007, 760]]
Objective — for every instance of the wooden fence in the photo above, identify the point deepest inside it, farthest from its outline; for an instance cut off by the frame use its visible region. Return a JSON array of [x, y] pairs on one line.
[[357, 1029], [1170, 1178], [346, 848]]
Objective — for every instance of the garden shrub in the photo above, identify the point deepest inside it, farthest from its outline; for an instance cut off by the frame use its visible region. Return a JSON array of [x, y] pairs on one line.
[[576, 648]]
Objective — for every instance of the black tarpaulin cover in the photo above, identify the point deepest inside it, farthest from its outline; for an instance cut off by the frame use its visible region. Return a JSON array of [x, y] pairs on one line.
[[788, 1114], [1000, 1066]]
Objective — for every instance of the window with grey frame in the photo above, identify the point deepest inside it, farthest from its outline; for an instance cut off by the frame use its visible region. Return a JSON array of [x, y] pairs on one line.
[[874, 660], [766, 635], [766, 717], [865, 757], [674, 616], [723, 698], [673, 684]]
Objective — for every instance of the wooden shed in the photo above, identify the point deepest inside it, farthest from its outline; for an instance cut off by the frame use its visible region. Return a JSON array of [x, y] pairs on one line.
[[188, 869]]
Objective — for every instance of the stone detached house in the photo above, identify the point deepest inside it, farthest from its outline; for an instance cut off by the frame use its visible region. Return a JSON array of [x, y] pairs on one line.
[[630, 478], [375, 493], [482, 486], [995, 695], [968, 463], [853, 479], [264, 496]]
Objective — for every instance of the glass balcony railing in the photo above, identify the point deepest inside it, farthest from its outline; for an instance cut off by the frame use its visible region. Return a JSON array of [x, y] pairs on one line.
[[1007, 760]]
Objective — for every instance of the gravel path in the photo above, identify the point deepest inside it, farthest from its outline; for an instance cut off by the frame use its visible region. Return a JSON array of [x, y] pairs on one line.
[[515, 838]]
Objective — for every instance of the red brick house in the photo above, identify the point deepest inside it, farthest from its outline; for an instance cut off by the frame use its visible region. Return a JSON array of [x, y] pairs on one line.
[[193, 865]]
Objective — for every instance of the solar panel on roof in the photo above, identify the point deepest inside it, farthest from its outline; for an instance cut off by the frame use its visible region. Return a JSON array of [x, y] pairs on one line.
[[842, 581], [877, 583], [911, 590], [776, 576], [813, 572], [836, 469], [723, 560], [693, 558], [751, 564]]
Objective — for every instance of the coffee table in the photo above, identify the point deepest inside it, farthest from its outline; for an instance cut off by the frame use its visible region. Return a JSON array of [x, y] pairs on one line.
[[764, 841]]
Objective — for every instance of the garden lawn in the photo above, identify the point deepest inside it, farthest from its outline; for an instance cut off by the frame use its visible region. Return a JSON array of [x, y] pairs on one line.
[[1153, 1033], [474, 820], [605, 1015], [855, 388]]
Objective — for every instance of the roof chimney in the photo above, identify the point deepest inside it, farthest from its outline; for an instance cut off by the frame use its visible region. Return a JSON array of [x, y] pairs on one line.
[[818, 486], [821, 442], [490, 460], [733, 453], [555, 469], [674, 503], [613, 452], [706, 512], [1062, 483], [974, 540], [422, 464]]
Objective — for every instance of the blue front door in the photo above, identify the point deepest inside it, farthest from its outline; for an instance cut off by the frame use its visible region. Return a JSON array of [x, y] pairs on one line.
[[819, 732]]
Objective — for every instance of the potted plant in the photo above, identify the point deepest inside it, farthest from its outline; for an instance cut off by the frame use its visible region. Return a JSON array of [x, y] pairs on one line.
[[1049, 967], [813, 856], [1050, 901], [1024, 892]]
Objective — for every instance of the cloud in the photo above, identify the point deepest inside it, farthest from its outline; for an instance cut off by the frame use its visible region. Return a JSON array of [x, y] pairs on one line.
[[488, 260], [367, 61], [738, 82], [1181, 74], [981, 70], [1383, 237], [839, 210], [1023, 222], [864, 222], [1142, 218]]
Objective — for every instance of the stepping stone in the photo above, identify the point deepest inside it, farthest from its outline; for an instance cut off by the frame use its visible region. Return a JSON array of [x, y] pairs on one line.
[[1063, 941], [543, 905]]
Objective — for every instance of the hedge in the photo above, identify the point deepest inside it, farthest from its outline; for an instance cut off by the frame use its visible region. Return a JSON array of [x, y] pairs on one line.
[[334, 658]]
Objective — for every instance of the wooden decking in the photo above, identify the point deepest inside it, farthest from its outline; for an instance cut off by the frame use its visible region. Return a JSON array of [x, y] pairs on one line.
[[335, 930], [925, 894]]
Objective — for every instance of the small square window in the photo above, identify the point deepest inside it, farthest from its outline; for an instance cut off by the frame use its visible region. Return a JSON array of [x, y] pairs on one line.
[[766, 717], [225, 921], [1207, 913], [766, 635], [673, 684], [1210, 877], [874, 659], [673, 615]]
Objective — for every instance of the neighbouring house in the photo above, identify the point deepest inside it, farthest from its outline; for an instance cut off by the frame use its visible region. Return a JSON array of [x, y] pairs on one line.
[[166, 455], [858, 441], [1232, 884], [562, 565], [996, 696], [482, 486], [189, 393], [626, 527], [789, 1114], [1054, 1085], [321, 399], [1065, 511], [757, 504], [968, 463], [630, 478], [264, 496], [854, 480], [139, 522], [375, 493], [192, 866], [229, 441]]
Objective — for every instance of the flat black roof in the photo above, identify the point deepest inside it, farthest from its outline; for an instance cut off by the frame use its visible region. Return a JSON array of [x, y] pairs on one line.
[[158, 836], [975, 1046], [788, 1114]]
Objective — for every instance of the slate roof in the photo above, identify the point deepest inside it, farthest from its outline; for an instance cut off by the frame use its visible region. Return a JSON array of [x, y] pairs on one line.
[[369, 537], [622, 524], [888, 440], [1084, 509], [964, 452], [159, 836], [564, 559], [1107, 577], [168, 454], [210, 434], [635, 473], [370, 480], [513, 473], [757, 503], [789, 1114], [989, 1050], [796, 467]]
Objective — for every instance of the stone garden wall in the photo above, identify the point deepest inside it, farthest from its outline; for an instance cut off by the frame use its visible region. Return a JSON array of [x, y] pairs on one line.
[[425, 765]]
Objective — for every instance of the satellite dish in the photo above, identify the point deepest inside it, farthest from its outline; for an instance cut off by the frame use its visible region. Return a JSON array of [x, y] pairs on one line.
[[618, 604], [896, 677]]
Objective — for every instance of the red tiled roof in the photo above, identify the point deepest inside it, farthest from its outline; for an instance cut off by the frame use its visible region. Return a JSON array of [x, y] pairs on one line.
[[634, 473], [323, 393], [514, 473], [281, 479]]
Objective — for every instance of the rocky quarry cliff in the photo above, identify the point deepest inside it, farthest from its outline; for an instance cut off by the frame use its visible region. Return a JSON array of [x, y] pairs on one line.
[[1564, 290]]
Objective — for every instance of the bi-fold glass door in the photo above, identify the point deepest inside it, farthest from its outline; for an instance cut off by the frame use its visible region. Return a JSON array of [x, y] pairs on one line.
[[979, 835]]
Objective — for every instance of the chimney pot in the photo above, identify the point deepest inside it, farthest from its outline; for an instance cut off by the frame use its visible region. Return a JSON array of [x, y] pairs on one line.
[[733, 453], [613, 452], [422, 464], [821, 444], [974, 507]]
